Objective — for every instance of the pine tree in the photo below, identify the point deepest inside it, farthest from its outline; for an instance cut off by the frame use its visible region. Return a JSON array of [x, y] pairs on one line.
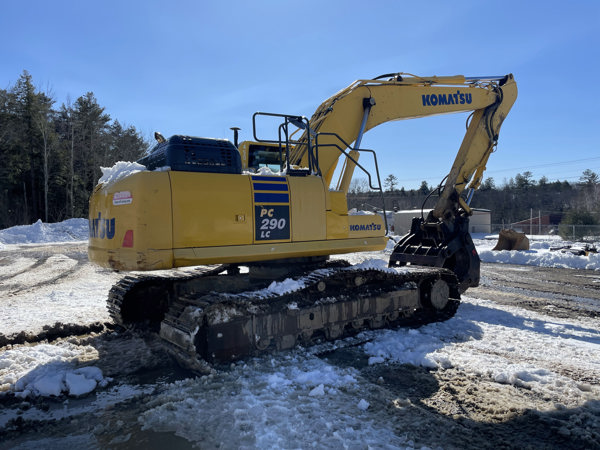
[[391, 182], [91, 149], [51, 158]]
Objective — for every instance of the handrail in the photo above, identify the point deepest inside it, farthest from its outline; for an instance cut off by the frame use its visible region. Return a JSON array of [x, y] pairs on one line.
[[302, 122], [379, 188]]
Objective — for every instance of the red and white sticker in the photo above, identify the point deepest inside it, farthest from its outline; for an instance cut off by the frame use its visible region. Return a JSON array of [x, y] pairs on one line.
[[122, 198]]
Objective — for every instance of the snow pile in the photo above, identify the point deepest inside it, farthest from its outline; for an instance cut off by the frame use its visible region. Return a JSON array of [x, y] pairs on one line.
[[120, 170], [39, 232], [539, 254], [539, 258], [49, 370]]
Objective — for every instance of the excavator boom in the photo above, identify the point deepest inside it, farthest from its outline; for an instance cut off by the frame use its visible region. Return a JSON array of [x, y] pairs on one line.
[[397, 97]]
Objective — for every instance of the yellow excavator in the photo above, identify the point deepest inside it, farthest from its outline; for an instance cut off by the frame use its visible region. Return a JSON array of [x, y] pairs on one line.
[[260, 219]]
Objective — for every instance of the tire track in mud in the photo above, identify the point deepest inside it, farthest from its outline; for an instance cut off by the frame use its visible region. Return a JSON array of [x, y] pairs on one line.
[[51, 333], [555, 280], [562, 293], [563, 308], [554, 292], [39, 267], [21, 265], [47, 269], [585, 378]]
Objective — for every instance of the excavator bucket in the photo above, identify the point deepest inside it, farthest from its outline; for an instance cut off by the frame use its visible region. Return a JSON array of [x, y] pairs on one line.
[[512, 240], [432, 243]]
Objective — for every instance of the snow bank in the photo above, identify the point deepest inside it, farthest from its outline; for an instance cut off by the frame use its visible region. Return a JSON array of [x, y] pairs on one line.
[[39, 232], [542, 258], [49, 370], [539, 254]]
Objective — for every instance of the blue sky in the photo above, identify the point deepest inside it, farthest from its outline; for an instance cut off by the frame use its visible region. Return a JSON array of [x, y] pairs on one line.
[[201, 67]]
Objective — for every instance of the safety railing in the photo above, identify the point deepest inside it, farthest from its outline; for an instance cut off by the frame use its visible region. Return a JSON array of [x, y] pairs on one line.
[[311, 146]]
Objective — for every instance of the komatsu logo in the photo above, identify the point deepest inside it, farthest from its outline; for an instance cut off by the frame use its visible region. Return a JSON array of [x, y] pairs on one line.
[[102, 228], [458, 98], [367, 227]]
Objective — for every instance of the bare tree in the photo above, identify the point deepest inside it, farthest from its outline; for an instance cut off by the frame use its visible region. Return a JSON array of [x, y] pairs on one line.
[[359, 185]]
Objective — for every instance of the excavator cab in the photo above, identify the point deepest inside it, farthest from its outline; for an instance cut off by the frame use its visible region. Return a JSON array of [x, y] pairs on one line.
[[263, 155]]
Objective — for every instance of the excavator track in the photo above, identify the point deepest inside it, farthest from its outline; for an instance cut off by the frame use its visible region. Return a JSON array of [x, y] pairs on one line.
[[213, 317]]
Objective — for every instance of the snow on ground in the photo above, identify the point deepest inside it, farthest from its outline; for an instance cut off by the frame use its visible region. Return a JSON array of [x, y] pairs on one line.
[[326, 403], [493, 332], [38, 292], [296, 399], [79, 298], [71, 289]]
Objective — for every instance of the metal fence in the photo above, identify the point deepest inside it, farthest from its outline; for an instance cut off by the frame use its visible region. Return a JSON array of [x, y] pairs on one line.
[[581, 232]]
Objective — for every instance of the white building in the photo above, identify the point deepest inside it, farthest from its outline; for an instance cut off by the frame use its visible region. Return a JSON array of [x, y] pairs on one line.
[[480, 221]]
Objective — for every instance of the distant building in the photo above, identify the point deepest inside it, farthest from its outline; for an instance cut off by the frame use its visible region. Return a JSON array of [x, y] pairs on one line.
[[480, 221], [538, 225]]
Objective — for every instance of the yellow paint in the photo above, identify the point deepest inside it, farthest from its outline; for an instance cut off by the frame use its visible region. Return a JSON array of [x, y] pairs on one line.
[[141, 203], [308, 208], [206, 209], [338, 202], [337, 226]]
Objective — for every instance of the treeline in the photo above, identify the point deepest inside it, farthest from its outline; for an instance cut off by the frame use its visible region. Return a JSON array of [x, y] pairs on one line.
[[576, 203], [51, 156]]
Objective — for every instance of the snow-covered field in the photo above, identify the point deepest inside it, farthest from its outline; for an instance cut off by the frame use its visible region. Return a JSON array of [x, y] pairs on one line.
[[518, 360]]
